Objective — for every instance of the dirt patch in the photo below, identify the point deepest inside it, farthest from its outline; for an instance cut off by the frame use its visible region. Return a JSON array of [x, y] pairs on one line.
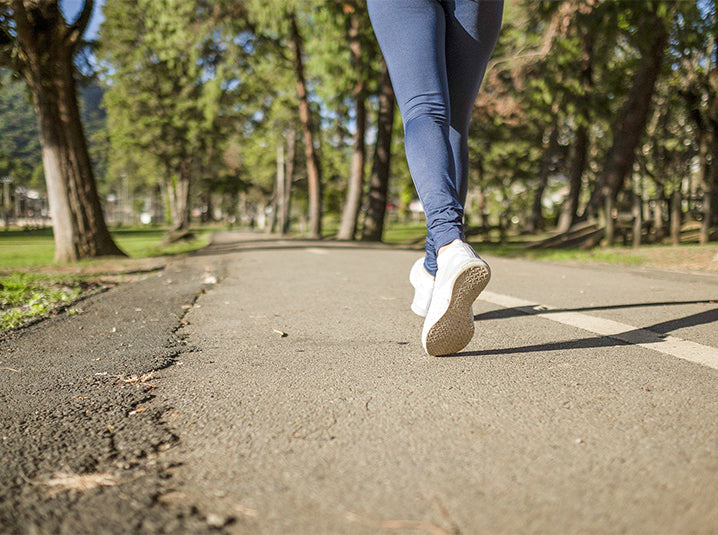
[[108, 267]]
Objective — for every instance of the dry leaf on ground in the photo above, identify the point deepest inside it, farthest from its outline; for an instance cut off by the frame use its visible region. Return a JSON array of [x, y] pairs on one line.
[[80, 482]]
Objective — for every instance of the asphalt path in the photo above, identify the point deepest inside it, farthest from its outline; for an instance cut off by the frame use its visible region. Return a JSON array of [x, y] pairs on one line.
[[290, 394], [76, 456]]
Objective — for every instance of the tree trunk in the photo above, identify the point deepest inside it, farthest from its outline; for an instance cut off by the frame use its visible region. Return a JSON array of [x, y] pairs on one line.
[[706, 128], [714, 210], [630, 122], [289, 180], [48, 46], [504, 224], [207, 216], [658, 223], [569, 210], [352, 204], [709, 185], [165, 202], [271, 219], [484, 224], [637, 211], [379, 181], [536, 221], [171, 203], [676, 216], [178, 190], [279, 190], [305, 116], [609, 221]]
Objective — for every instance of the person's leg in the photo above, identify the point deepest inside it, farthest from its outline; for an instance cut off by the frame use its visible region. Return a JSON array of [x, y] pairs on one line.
[[471, 32], [411, 34], [472, 28]]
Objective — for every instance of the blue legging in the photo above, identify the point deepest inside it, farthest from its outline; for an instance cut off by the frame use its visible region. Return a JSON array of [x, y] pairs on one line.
[[437, 51]]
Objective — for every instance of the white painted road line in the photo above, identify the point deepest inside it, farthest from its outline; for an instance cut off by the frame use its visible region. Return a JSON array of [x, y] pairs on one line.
[[666, 344]]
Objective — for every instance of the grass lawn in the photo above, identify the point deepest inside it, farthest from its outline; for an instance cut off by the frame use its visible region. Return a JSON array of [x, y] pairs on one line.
[[36, 247], [31, 285], [27, 291], [26, 295], [413, 234], [623, 257], [684, 257]]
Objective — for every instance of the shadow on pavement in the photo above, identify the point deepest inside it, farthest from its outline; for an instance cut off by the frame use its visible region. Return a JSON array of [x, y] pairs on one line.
[[513, 312], [651, 334], [229, 242]]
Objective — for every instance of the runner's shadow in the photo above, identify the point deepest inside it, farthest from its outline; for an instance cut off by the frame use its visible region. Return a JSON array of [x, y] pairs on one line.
[[653, 334], [505, 313]]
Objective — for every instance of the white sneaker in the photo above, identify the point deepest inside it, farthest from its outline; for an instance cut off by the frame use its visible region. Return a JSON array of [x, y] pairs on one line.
[[423, 284], [461, 277]]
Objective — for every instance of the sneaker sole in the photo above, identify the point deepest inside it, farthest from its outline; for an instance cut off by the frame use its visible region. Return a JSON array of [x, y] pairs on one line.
[[455, 329]]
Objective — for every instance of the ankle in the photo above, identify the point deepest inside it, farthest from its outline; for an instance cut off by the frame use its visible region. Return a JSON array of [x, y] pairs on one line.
[[443, 248]]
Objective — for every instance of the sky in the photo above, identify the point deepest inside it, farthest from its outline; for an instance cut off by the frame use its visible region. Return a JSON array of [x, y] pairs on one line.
[[71, 9]]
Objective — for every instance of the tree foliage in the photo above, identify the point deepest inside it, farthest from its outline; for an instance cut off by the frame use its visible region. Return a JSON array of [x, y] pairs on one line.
[[587, 108]]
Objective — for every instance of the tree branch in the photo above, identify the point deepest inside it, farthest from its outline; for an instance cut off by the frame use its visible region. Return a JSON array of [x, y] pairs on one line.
[[5, 37], [75, 31], [22, 24], [522, 56], [7, 40]]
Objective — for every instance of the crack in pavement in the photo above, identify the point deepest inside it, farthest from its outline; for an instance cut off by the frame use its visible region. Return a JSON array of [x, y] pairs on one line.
[[74, 443]]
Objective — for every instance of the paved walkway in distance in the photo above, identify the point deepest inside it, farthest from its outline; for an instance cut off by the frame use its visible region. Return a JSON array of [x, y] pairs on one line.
[[344, 425], [279, 386]]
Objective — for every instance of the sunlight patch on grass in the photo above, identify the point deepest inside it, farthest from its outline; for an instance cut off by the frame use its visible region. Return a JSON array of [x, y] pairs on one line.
[[37, 248], [26, 295], [413, 233], [26, 248]]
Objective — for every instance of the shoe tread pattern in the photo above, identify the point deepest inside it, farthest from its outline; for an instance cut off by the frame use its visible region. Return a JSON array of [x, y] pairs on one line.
[[455, 329]]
